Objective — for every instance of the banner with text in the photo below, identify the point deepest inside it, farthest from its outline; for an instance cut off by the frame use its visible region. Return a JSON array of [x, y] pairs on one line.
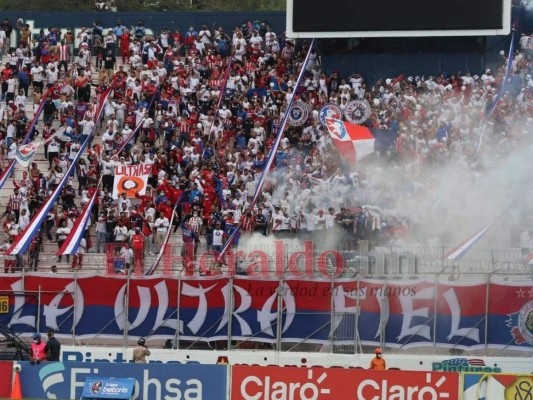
[[130, 179], [407, 313]]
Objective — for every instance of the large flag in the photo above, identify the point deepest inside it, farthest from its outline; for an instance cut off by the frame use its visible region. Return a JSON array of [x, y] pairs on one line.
[[20, 246], [355, 142], [7, 171], [25, 152], [71, 244]]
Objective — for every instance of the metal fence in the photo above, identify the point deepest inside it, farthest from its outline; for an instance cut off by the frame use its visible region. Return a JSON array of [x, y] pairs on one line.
[[308, 259]]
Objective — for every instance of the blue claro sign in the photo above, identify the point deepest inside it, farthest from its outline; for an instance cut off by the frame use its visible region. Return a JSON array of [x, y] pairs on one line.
[[58, 380]]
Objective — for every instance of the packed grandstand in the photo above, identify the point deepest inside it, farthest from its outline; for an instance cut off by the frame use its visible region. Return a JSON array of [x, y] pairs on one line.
[[198, 112], [200, 189]]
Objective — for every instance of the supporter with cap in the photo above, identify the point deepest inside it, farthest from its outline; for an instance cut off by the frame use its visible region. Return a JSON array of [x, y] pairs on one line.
[[37, 349]]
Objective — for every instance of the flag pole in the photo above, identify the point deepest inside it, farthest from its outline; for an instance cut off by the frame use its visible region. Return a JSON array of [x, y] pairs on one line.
[[272, 154]]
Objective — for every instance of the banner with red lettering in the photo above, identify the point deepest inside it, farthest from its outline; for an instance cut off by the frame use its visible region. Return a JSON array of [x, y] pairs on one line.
[[131, 179], [338, 383], [404, 313]]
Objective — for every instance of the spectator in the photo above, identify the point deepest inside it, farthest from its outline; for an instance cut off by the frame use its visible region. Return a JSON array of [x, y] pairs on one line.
[[378, 362]]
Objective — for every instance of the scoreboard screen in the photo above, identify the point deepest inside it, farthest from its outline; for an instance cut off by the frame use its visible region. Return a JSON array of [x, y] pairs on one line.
[[397, 18]]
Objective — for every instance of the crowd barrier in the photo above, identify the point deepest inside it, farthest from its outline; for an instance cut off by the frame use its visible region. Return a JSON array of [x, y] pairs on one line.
[[273, 257], [64, 380]]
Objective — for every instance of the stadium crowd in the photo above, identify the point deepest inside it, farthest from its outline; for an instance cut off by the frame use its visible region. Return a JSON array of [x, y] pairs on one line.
[[209, 105]]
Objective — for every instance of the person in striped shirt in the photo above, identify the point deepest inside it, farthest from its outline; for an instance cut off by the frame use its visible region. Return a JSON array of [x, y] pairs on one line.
[[14, 202]]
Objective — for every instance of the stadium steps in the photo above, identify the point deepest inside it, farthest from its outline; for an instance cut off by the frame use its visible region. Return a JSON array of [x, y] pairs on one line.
[[93, 262]]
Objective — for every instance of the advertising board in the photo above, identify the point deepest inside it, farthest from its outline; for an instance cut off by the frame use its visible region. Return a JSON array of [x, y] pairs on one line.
[[477, 386], [60, 380], [5, 378], [412, 362], [264, 383]]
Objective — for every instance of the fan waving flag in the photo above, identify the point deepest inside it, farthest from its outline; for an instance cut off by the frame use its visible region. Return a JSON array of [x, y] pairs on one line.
[[355, 142]]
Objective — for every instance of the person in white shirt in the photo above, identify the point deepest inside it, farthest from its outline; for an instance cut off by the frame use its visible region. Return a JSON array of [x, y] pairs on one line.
[[87, 126], [330, 218], [62, 233], [120, 112], [24, 219], [11, 152], [161, 225], [108, 138], [3, 40], [126, 252], [124, 200], [37, 75], [205, 36], [121, 233], [77, 259], [269, 37], [218, 238], [52, 75], [11, 87], [256, 41], [74, 149]]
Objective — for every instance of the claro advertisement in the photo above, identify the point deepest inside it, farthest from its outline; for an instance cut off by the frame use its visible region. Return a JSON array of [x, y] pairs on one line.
[[262, 383]]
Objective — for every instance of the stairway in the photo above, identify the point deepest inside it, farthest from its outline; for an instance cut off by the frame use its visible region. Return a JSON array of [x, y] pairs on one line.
[[92, 262], [12, 347]]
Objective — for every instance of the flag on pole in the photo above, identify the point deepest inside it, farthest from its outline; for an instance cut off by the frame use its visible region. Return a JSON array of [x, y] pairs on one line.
[[71, 244], [457, 252], [462, 248], [271, 155], [20, 246], [134, 132], [7, 171], [163, 246], [355, 142], [501, 91]]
